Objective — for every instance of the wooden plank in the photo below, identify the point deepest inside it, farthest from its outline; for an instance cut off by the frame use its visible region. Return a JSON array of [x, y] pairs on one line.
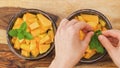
[[3, 36], [10, 60]]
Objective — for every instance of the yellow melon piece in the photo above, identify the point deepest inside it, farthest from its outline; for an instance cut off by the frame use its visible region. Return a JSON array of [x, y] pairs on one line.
[[51, 35], [32, 20], [25, 53], [34, 25], [45, 22], [28, 16], [35, 52], [93, 24], [99, 27], [76, 18], [82, 35], [80, 18], [42, 35], [90, 18], [17, 44], [13, 40], [33, 44], [37, 31], [44, 39], [104, 28], [27, 41], [102, 22], [25, 47], [43, 48], [18, 23], [89, 53]]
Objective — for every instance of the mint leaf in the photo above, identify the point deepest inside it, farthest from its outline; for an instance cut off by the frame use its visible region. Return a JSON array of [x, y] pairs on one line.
[[23, 26], [13, 32], [95, 44], [21, 32], [28, 36], [20, 36]]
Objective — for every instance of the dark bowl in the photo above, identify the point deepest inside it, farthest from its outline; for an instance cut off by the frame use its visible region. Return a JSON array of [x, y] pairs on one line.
[[97, 56], [51, 17]]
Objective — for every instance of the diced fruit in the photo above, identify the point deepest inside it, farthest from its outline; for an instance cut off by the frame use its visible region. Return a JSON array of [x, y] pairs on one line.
[[82, 35], [17, 44], [93, 24], [90, 18], [18, 23], [102, 23], [25, 47], [32, 20], [80, 18], [27, 41], [76, 18], [21, 40], [37, 31], [45, 39], [34, 25], [35, 52], [89, 53], [25, 53], [28, 16], [33, 44], [41, 30], [13, 40], [104, 29], [42, 35], [28, 29], [46, 23], [43, 48], [98, 27], [51, 35]]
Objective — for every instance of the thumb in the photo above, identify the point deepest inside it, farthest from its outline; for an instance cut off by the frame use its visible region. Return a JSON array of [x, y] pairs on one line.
[[106, 43]]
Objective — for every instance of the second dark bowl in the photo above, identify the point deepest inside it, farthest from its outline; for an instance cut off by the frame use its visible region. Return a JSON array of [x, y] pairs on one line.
[[108, 26]]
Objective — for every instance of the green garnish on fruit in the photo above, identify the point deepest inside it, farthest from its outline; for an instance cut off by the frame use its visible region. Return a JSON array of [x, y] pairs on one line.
[[95, 43], [21, 33]]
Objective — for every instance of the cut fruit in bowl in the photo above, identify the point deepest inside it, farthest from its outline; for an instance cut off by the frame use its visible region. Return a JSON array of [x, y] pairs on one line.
[[99, 23], [31, 34]]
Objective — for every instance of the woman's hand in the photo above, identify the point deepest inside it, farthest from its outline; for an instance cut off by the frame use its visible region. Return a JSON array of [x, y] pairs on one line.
[[113, 46], [68, 46]]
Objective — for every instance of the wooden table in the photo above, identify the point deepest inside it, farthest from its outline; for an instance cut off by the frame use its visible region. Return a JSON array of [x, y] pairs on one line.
[[110, 8]]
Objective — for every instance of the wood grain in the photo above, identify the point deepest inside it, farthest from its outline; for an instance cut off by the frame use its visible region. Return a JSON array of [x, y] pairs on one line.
[[7, 58], [10, 60]]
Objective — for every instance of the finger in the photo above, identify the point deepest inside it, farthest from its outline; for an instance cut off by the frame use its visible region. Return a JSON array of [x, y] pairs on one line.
[[63, 23], [112, 33], [80, 26], [106, 43], [72, 22], [88, 38]]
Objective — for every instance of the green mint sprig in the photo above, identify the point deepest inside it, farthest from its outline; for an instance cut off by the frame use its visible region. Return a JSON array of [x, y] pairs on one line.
[[21, 33], [95, 43]]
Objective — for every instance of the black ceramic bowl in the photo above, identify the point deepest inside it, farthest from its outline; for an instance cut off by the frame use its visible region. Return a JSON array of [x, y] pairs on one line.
[[51, 17], [96, 57]]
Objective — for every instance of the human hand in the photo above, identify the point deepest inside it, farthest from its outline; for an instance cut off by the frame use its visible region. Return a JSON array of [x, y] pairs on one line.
[[68, 46], [113, 46]]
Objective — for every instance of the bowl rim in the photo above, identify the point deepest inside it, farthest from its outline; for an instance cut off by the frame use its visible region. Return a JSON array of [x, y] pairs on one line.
[[12, 21], [88, 11]]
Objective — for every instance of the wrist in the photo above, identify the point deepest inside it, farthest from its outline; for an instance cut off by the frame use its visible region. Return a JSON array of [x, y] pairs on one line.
[[58, 63]]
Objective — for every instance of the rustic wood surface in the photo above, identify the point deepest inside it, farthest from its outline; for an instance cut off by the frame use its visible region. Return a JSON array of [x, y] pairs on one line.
[[9, 60]]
